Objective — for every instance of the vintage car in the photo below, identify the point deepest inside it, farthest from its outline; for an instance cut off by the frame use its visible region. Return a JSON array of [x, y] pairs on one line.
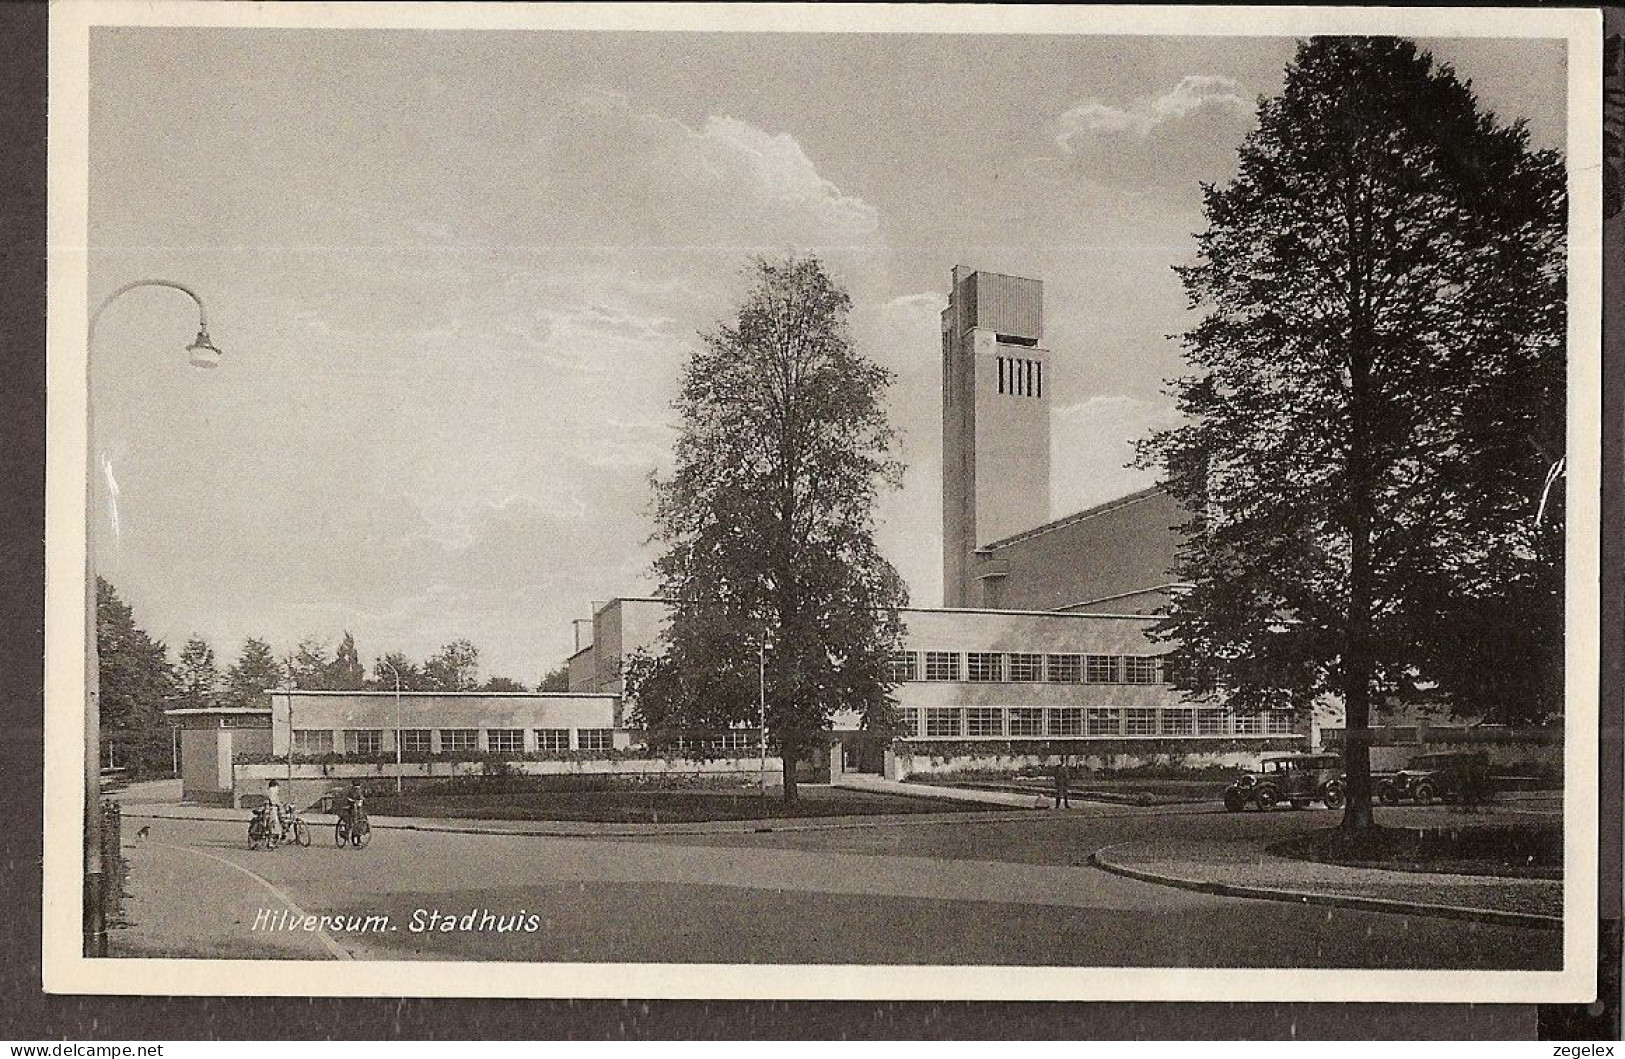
[[1297, 779], [1441, 777]]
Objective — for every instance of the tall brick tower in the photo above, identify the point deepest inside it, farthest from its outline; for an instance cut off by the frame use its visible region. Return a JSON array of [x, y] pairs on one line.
[[995, 422]]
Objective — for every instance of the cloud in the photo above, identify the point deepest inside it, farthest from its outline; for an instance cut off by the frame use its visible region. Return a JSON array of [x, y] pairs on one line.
[[654, 179], [1196, 95]]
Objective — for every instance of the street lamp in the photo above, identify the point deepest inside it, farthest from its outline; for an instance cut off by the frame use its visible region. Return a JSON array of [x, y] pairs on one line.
[[398, 765], [204, 354]]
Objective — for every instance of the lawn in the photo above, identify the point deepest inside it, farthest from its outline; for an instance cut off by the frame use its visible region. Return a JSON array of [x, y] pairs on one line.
[[652, 806], [1088, 787], [1526, 850]]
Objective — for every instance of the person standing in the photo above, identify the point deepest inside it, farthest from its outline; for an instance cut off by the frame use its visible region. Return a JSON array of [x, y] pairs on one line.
[[273, 807], [1063, 781]]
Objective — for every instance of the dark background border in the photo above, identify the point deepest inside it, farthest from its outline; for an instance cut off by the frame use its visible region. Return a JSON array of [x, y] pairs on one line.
[[27, 1013]]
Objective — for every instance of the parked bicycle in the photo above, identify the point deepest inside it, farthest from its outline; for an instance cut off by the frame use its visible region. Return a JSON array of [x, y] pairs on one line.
[[264, 833]]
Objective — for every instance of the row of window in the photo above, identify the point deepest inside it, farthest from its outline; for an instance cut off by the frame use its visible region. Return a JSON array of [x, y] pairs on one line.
[[367, 741], [741, 740], [1016, 721], [1024, 378], [993, 667]]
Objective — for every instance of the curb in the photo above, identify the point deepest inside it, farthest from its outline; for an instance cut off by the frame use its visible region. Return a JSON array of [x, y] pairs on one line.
[[1532, 920], [623, 831]]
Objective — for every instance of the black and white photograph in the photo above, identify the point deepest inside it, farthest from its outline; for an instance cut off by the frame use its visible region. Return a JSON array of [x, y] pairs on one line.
[[890, 503]]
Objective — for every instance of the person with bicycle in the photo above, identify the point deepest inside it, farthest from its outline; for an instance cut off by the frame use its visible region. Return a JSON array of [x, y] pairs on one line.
[[355, 810], [276, 827]]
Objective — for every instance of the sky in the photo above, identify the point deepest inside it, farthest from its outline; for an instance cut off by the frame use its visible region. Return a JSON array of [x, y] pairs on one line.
[[456, 274]]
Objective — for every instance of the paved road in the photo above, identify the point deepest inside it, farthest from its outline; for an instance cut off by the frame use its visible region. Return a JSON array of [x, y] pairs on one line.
[[1010, 892]]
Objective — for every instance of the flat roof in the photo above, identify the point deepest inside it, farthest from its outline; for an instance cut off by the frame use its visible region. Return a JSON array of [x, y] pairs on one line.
[[199, 711]]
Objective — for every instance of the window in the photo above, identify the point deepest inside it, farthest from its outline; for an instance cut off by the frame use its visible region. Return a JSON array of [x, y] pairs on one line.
[[1065, 669], [940, 722], [984, 667], [1212, 722], [981, 721], [1249, 724], [1139, 669], [903, 665], [1102, 720], [1066, 722], [1026, 667], [552, 739], [505, 740], [363, 741], [1278, 722], [1038, 391], [595, 738], [1141, 721], [908, 721], [1001, 374], [312, 741], [1178, 722], [415, 741], [941, 665], [742, 740], [1102, 669], [455, 740], [1026, 721]]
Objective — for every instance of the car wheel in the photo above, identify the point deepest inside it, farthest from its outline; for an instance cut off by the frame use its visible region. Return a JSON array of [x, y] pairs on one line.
[[1423, 793], [1334, 796], [1387, 795], [1235, 801], [1266, 799]]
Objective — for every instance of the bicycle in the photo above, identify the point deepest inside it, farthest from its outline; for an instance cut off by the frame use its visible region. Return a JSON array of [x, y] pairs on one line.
[[345, 836]]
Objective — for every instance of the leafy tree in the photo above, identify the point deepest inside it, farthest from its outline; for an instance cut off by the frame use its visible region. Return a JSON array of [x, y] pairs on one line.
[[311, 665], [503, 684], [412, 678], [1377, 411], [556, 679], [768, 526], [455, 668], [136, 682], [345, 672], [197, 678], [255, 671]]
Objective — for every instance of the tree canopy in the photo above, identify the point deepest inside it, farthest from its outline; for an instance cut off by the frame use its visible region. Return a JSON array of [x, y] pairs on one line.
[[136, 684], [1374, 431], [255, 671], [767, 523]]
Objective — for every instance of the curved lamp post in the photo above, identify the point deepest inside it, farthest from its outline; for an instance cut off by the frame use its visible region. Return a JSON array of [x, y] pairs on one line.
[[202, 353], [398, 765]]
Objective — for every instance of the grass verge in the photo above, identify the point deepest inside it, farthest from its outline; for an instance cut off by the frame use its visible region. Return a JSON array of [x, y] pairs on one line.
[[1521, 851], [654, 807]]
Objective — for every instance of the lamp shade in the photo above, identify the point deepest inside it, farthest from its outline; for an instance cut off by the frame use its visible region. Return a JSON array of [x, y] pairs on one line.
[[203, 353]]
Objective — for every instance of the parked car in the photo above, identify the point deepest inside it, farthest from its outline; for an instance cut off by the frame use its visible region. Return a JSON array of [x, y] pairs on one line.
[[1444, 777], [1297, 779]]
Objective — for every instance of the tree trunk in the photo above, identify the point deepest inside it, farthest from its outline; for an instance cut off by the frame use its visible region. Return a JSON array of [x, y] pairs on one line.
[[789, 754], [1358, 663]]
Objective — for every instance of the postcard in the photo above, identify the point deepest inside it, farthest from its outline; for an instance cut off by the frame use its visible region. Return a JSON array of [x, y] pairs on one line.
[[820, 501]]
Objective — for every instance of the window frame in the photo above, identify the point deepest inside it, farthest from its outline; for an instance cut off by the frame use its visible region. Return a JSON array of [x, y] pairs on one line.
[[985, 667]]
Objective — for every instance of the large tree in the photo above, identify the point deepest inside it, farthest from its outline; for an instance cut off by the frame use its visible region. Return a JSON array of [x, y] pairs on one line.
[[1375, 427], [345, 672], [197, 677], [255, 672], [387, 668], [136, 684], [455, 667], [767, 523], [311, 666]]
